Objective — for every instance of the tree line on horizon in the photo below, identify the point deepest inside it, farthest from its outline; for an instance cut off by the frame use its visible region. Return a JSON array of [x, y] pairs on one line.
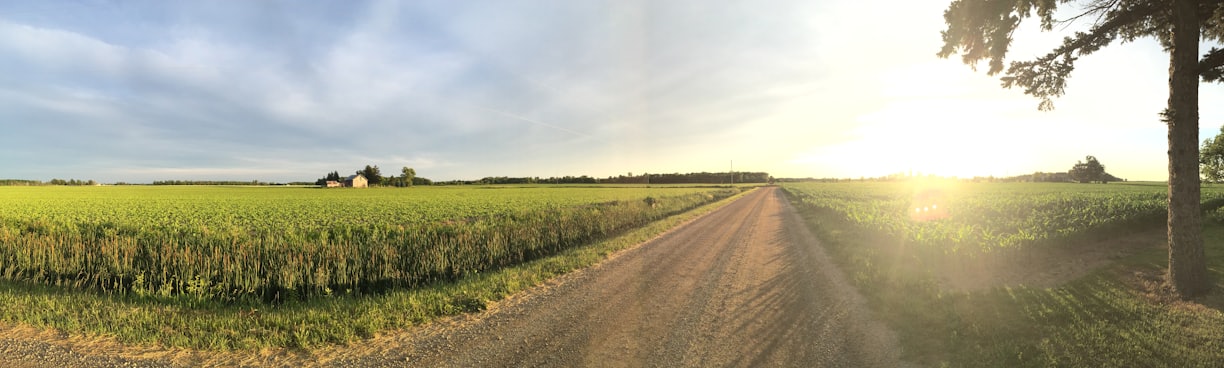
[[1089, 170], [673, 178], [211, 182], [692, 178], [408, 178], [24, 182]]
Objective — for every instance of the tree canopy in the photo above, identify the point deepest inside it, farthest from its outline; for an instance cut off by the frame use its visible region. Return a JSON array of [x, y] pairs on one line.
[[982, 30], [372, 174], [407, 175], [1211, 158], [1088, 171]]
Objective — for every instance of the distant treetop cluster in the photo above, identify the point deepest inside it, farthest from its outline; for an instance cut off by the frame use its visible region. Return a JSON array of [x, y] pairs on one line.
[[374, 177]]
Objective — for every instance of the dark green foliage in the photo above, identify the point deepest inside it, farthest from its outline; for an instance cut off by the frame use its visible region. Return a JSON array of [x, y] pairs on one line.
[[20, 182], [1088, 171], [1211, 158], [407, 177], [331, 176], [372, 174]]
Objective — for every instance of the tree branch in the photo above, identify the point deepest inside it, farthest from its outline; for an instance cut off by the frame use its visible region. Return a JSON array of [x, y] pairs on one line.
[[1099, 8], [1046, 77], [1211, 67], [982, 29], [1211, 15]]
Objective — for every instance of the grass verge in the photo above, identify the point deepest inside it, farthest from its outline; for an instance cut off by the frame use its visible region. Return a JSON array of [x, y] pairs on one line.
[[1116, 316], [337, 319]]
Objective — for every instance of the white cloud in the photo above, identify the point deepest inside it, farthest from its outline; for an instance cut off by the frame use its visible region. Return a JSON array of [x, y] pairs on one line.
[[543, 88]]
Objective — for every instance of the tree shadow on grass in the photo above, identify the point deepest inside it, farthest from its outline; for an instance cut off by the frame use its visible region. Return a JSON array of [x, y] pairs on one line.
[[1096, 321]]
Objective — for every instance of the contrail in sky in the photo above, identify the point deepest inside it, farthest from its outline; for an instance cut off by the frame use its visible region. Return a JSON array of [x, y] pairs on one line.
[[530, 120]]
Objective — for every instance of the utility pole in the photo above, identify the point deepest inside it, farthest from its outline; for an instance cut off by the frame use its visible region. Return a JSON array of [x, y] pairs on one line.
[[732, 172]]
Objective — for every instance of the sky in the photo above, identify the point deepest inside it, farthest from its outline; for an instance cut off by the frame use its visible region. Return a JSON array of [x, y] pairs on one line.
[[288, 91]]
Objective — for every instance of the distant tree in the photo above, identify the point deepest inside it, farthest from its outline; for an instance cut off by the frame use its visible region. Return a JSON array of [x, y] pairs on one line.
[[372, 174], [982, 30], [408, 174], [331, 176], [1088, 171], [1211, 158]]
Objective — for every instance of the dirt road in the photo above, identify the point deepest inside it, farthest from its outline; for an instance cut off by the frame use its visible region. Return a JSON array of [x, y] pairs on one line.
[[744, 286]]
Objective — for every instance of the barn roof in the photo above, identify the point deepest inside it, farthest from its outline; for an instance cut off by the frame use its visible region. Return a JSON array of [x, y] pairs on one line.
[[351, 177]]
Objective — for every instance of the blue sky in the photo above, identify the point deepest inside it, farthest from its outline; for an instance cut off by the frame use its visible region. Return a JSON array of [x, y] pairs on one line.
[[286, 91]]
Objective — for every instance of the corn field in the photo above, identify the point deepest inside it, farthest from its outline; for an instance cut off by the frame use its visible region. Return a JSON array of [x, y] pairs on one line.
[[974, 219], [227, 243]]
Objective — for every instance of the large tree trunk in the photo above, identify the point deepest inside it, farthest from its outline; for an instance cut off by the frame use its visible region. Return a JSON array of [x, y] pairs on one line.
[[1187, 265]]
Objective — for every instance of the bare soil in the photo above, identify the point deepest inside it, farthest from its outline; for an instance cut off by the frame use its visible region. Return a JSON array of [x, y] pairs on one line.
[[746, 285]]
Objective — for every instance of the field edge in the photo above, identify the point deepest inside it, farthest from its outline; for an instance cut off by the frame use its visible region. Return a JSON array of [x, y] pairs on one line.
[[95, 323]]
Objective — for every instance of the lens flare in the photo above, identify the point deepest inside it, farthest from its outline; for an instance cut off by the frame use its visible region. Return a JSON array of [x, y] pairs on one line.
[[927, 205]]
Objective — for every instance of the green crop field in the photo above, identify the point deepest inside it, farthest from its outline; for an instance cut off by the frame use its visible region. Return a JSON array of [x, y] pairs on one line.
[[227, 243], [899, 241], [969, 220]]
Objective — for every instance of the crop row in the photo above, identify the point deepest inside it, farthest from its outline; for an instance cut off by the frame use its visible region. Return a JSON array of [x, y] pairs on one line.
[[967, 219], [243, 244]]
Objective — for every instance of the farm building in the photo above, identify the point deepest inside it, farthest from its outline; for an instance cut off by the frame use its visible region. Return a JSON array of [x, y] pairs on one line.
[[332, 184], [355, 181]]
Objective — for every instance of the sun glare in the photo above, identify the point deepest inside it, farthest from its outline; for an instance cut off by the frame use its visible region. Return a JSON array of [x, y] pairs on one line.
[[972, 130], [892, 141]]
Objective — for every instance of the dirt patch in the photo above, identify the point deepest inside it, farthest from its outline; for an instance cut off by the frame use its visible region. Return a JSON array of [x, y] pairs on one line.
[[1049, 267]]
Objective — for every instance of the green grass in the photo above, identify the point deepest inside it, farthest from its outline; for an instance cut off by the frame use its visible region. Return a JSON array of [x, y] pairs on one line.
[[1113, 317], [338, 318]]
